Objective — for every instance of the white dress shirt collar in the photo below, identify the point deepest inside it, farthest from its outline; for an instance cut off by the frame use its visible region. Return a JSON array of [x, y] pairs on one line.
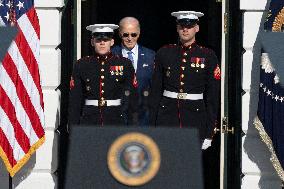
[[135, 54]]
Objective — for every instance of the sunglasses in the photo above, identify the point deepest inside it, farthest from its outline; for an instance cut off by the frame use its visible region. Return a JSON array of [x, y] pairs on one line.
[[131, 34]]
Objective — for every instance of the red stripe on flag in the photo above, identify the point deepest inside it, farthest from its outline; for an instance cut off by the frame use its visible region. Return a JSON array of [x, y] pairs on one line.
[[30, 61], [32, 15], [4, 143], [23, 95], [9, 109]]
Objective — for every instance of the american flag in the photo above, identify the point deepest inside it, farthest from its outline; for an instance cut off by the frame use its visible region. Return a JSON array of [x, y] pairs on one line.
[[270, 113], [274, 21], [21, 98]]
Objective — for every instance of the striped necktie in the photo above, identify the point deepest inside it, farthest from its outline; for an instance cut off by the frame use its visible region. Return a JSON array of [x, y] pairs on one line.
[[130, 57]]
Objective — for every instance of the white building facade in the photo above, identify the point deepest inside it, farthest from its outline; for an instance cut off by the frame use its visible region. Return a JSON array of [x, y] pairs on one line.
[[258, 173]]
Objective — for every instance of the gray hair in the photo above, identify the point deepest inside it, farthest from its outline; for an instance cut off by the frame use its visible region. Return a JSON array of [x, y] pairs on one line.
[[129, 20]]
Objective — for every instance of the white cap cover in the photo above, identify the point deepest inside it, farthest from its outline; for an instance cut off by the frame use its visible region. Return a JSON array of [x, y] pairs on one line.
[[187, 15], [99, 28]]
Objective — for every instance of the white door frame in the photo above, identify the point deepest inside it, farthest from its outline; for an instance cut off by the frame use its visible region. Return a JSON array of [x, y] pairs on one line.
[[224, 95], [78, 29], [223, 77]]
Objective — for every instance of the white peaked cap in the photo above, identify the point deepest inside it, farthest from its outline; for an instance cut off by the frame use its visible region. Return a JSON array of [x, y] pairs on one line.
[[98, 28], [187, 14]]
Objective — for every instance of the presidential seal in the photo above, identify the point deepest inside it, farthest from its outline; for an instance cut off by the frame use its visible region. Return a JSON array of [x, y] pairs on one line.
[[134, 159]]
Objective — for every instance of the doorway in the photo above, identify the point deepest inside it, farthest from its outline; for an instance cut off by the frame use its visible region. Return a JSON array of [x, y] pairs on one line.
[[158, 28], [157, 24]]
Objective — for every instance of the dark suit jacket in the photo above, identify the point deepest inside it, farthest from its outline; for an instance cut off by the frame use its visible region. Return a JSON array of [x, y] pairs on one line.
[[145, 65]]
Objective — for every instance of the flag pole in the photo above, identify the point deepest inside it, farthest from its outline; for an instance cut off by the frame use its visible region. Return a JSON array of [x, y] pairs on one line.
[[10, 182], [12, 21]]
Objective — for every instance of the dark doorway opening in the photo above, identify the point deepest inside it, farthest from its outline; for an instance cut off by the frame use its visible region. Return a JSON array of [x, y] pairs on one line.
[[158, 29], [157, 24]]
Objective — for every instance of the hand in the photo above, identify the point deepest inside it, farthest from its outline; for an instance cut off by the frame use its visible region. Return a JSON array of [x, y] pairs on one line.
[[206, 144]]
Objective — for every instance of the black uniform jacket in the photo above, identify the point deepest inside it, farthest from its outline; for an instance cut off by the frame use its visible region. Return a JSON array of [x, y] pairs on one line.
[[192, 70], [108, 77]]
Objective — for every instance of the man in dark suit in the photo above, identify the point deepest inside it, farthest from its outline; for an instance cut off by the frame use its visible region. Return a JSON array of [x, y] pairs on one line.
[[143, 62]]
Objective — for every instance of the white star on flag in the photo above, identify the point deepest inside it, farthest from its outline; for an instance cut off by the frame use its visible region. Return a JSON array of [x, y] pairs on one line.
[[20, 5], [1, 3], [7, 16], [9, 4]]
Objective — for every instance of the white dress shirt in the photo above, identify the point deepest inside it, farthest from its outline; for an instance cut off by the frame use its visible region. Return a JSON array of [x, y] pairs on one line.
[[134, 54]]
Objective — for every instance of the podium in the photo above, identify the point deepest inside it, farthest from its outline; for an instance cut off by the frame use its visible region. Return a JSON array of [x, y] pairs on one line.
[[173, 153]]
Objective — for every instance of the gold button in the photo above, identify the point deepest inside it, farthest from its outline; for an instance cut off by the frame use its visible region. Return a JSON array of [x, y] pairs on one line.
[[182, 68], [87, 79], [181, 83], [88, 88], [102, 98], [102, 70], [102, 77], [116, 79], [103, 84], [182, 75], [103, 63], [181, 90], [183, 60], [185, 54], [103, 91]]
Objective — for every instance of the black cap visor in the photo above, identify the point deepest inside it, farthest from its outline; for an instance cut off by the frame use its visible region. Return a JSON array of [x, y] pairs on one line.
[[103, 35], [187, 22]]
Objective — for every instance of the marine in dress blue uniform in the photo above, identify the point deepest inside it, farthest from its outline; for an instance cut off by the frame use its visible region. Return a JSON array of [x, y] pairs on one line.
[[186, 82], [100, 83]]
